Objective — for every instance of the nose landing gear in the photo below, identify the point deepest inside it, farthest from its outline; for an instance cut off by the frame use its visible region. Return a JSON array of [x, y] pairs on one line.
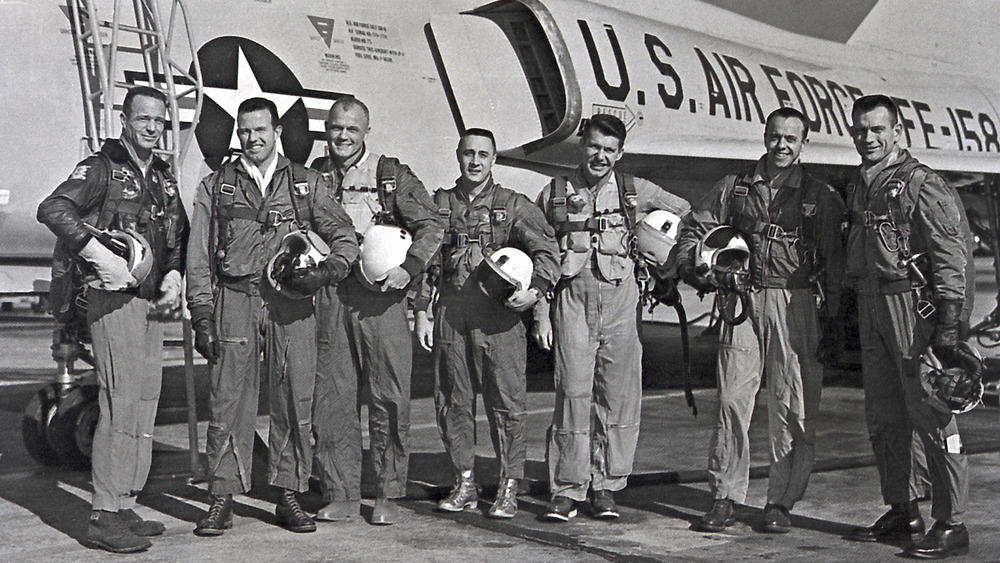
[[59, 422]]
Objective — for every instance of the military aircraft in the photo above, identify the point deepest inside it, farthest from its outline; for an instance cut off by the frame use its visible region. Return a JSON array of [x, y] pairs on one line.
[[693, 82]]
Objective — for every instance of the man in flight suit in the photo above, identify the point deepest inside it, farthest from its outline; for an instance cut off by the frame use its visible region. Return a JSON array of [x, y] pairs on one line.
[[241, 213], [594, 322], [124, 187], [479, 343], [901, 209], [793, 224], [363, 331]]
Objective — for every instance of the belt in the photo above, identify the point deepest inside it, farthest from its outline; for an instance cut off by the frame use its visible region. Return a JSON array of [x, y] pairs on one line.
[[592, 224], [868, 218], [774, 231], [242, 284], [463, 239]]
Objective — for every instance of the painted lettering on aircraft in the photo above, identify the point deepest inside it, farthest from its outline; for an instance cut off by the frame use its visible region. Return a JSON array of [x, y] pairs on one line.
[[732, 88]]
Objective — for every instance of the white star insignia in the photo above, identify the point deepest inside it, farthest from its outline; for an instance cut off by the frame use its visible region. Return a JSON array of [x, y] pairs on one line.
[[247, 86]]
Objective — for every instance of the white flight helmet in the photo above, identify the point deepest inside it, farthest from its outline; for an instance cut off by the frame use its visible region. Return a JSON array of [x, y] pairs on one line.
[[656, 235], [299, 250], [952, 389], [727, 255], [383, 248], [505, 271], [131, 246]]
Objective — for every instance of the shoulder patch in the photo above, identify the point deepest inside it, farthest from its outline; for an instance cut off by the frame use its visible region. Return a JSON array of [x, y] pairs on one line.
[[80, 172], [808, 209]]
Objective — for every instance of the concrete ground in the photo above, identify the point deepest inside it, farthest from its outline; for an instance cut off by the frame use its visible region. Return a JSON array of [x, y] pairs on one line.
[[44, 508]]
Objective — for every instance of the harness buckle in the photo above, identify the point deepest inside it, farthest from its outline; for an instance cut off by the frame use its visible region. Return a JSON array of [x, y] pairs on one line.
[[869, 218], [925, 308], [462, 239], [773, 231], [603, 223], [227, 189], [274, 218]]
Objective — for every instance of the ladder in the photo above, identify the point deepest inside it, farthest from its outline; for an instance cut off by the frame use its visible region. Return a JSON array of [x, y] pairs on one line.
[[133, 48]]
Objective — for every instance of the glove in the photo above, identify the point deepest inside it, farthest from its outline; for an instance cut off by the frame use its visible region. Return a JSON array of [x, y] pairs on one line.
[[309, 280], [170, 293], [695, 277], [206, 340], [831, 342], [111, 268], [664, 290], [945, 338], [284, 267]]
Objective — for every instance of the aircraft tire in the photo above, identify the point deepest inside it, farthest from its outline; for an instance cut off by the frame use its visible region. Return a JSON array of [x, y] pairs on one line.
[[71, 430], [34, 424]]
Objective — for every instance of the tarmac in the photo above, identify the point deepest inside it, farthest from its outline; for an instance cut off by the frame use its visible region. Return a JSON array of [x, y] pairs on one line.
[[44, 508]]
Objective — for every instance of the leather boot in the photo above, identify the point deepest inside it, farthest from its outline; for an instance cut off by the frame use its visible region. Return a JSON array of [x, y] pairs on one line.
[[942, 540], [777, 519], [717, 519], [602, 505], [106, 531], [219, 517], [505, 506], [463, 496], [901, 523], [139, 526], [290, 516]]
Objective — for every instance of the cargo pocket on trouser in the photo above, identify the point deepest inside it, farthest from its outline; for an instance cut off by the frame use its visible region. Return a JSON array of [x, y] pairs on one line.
[[570, 442], [620, 449]]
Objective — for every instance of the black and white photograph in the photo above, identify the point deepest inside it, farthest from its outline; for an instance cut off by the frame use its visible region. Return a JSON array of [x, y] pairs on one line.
[[542, 280]]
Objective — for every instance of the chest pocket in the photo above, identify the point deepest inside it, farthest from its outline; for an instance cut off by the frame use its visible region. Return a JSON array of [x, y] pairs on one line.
[[362, 205]]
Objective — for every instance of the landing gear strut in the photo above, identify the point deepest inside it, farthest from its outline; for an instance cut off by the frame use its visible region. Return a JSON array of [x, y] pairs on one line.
[[59, 422]]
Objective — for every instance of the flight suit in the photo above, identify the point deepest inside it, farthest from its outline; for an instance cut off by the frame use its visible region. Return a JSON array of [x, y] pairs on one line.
[[364, 335], [479, 343], [795, 235], [235, 232], [893, 335], [594, 312], [109, 190]]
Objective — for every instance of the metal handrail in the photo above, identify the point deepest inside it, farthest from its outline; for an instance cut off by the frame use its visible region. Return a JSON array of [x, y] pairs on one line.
[[100, 67]]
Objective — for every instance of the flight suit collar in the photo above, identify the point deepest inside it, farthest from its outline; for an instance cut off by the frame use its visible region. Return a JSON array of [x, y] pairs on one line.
[[262, 178], [869, 173], [579, 181], [356, 164], [116, 152], [485, 193], [792, 180]]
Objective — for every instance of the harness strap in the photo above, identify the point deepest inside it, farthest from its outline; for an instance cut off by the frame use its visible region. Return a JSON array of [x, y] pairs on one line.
[[385, 176], [500, 220], [116, 206]]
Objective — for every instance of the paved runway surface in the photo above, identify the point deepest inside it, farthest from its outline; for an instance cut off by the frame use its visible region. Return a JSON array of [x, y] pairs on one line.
[[43, 509]]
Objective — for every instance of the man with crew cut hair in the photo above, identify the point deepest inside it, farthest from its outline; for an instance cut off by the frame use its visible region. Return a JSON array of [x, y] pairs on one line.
[[792, 222]]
